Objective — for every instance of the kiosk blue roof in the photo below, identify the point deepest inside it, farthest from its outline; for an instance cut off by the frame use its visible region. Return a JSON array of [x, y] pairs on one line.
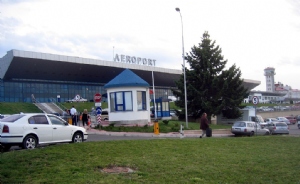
[[126, 79]]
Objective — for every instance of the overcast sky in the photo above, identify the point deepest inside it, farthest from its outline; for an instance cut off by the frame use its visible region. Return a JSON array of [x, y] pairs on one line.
[[253, 34]]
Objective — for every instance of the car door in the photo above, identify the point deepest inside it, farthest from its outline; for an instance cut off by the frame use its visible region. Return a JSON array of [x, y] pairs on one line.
[[62, 132], [41, 127], [258, 129], [271, 127]]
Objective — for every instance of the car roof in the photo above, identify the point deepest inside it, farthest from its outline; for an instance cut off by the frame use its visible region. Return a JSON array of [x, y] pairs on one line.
[[278, 122], [245, 121]]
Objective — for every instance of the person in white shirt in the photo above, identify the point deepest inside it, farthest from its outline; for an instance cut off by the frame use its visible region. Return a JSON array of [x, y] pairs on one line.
[[73, 113]]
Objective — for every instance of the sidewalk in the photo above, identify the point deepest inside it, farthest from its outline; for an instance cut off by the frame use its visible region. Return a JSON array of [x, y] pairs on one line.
[[188, 133]]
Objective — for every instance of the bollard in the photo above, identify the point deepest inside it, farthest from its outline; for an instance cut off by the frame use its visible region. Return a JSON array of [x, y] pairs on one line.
[[156, 127], [181, 131], [70, 121]]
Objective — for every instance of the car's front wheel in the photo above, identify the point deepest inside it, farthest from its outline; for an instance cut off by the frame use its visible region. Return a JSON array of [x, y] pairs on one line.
[[30, 142], [77, 138], [267, 133]]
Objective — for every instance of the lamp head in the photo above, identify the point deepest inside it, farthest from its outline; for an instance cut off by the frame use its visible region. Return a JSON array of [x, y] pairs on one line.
[[177, 9]]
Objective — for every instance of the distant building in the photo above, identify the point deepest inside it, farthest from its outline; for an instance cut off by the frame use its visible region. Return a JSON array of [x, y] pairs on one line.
[[275, 92], [270, 81], [265, 97], [40, 77]]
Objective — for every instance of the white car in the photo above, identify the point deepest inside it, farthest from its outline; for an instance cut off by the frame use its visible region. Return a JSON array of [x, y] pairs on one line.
[[283, 119], [249, 128], [30, 130], [269, 120]]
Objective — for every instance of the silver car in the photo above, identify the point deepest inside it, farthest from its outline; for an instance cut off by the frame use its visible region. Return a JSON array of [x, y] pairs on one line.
[[283, 119], [269, 120], [278, 128], [249, 128]]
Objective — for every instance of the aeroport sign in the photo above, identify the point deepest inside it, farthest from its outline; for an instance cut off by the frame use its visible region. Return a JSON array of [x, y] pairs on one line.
[[134, 60]]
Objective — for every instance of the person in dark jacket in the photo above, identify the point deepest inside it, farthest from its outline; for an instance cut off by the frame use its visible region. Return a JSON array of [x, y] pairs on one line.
[[203, 124], [85, 117]]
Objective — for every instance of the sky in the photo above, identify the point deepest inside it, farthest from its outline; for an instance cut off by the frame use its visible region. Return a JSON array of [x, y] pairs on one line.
[[253, 34]]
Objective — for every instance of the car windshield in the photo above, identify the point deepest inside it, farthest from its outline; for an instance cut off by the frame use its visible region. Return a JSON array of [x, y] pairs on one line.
[[239, 124], [12, 118]]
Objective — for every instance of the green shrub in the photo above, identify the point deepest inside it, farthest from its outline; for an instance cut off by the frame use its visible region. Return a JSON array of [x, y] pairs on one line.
[[175, 127], [166, 122]]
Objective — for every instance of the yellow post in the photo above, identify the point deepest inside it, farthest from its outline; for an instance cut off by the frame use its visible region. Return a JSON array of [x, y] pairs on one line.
[[70, 121], [156, 127]]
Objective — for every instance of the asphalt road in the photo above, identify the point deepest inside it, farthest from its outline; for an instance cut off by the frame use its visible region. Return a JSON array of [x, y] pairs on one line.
[[95, 137], [294, 131]]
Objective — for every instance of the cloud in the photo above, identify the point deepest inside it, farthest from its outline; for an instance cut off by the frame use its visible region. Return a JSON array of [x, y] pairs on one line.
[[252, 34], [295, 6]]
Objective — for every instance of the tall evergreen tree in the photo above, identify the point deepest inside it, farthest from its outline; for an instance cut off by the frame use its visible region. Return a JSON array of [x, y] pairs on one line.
[[210, 87]]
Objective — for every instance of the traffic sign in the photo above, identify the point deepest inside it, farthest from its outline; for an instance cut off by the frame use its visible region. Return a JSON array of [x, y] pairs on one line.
[[97, 97], [255, 100], [98, 110], [98, 104], [99, 119]]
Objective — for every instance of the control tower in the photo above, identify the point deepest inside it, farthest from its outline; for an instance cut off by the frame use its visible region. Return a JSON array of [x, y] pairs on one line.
[[270, 82]]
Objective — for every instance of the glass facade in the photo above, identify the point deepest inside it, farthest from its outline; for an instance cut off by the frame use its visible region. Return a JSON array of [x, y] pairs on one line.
[[24, 91], [48, 91]]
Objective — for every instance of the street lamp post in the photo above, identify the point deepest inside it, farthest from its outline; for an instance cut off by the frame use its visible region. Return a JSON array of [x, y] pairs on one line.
[[184, 77]]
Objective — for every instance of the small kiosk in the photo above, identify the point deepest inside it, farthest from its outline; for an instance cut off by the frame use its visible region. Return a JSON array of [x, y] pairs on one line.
[[162, 108], [128, 99]]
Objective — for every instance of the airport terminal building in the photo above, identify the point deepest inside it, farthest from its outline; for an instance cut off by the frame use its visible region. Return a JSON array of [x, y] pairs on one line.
[[26, 76]]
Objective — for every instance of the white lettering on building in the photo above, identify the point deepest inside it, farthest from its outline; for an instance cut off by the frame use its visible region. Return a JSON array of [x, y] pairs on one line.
[[134, 60]]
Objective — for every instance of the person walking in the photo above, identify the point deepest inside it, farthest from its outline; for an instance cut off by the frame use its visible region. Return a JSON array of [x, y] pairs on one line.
[[85, 117], [73, 113], [203, 124]]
